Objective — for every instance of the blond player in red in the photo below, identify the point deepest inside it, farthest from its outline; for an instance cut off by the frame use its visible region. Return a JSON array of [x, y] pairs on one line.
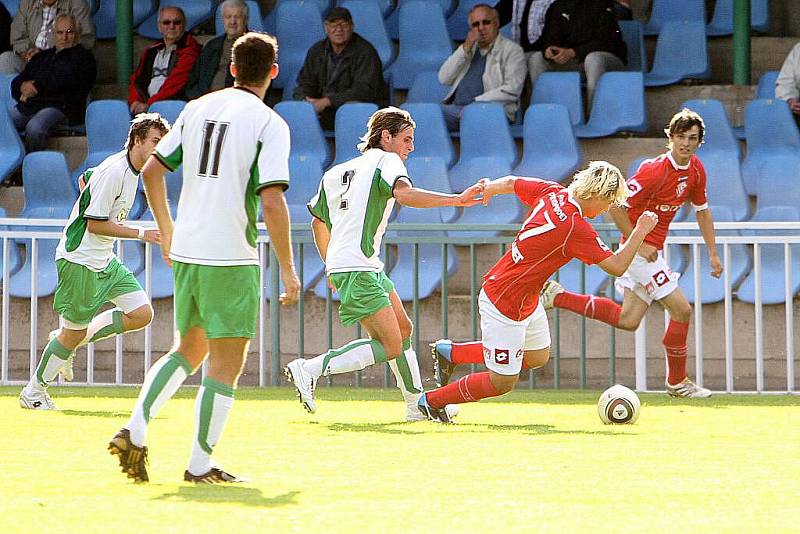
[[513, 320], [661, 185]]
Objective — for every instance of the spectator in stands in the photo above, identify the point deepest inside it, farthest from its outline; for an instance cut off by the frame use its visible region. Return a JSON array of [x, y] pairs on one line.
[[486, 68], [5, 29], [53, 87], [787, 86], [343, 67], [622, 10], [212, 70], [32, 30], [580, 35], [164, 67], [527, 21]]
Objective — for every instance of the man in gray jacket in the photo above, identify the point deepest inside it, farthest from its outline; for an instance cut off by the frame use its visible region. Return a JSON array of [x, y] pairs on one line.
[[787, 86], [32, 30], [486, 68]]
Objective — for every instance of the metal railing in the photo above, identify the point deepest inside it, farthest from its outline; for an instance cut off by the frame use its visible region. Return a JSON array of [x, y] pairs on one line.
[[269, 341]]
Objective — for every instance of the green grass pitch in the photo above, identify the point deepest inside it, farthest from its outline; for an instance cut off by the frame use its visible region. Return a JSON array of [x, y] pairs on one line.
[[537, 461]]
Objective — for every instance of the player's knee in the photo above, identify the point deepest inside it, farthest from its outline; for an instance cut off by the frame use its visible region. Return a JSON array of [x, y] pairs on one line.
[[504, 383], [393, 348], [534, 359], [681, 313], [628, 321], [406, 329], [141, 317]]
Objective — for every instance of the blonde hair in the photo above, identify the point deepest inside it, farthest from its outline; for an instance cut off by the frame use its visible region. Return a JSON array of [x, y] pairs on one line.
[[392, 119], [600, 180]]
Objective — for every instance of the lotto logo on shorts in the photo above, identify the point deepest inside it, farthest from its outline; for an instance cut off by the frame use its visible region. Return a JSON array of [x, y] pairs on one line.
[[501, 356], [660, 278]]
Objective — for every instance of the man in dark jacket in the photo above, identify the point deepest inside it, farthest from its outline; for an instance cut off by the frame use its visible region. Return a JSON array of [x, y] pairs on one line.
[[342, 68], [53, 87], [164, 68], [580, 35], [212, 70]]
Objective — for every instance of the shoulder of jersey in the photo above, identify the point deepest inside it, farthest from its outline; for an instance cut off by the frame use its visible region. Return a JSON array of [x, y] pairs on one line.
[[110, 161]]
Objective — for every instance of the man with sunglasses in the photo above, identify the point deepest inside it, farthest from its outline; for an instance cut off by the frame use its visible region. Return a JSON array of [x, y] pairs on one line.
[[486, 68], [343, 67], [164, 67]]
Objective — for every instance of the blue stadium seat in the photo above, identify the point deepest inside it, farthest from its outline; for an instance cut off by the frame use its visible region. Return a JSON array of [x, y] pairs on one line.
[[430, 256], [312, 270], [105, 18], [107, 124], [633, 35], [350, 124], [306, 173], [665, 11], [484, 132], [713, 289], [766, 84], [393, 19], [47, 181], [431, 173], [778, 181], [773, 287], [569, 276], [431, 138], [550, 150], [634, 165], [14, 259], [719, 134], [368, 23], [270, 21], [196, 11], [11, 149], [298, 26], [724, 185], [771, 131], [288, 89], [12, 6], [681, 53], [458, 21], [169, 109], [19, 284], [560, 88], [502, 209], [5, 90], [306, 133], [427, 88], [254, 19], [424, 43], [618, 106], [722, 20]]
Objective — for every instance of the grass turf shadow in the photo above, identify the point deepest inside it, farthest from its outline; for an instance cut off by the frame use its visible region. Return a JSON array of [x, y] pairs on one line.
[[100, 413], [229, 494], [404, 428]]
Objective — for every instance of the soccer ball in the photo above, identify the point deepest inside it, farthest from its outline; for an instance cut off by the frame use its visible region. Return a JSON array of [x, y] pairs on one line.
[[618, 405]]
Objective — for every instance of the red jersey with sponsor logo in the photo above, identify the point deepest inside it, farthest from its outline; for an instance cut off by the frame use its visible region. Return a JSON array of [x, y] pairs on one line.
[[554, 233], [662, 186]]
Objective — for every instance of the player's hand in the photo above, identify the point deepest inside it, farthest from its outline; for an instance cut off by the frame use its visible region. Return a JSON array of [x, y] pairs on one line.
[[648, 252], [152, 236], [166, 244], [716, 266], [647, 221], [291, 287], [471, 195]]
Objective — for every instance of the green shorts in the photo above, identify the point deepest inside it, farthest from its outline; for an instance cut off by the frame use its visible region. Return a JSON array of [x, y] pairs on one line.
[[361, 294], [222, 300], [81, 292]]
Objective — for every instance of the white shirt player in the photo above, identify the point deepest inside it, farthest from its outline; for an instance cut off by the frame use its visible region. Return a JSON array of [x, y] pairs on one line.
[[109, 194], [355, 200], [231, 146]]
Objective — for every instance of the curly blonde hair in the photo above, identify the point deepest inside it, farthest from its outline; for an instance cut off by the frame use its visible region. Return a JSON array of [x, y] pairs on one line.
[[600, 180]]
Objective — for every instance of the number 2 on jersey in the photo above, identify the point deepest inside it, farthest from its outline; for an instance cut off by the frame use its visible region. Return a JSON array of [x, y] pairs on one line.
[[347, 180], [213, 133]]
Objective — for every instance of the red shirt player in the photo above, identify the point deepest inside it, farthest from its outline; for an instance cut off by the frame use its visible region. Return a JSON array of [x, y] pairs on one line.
[[660, 185], [513, 320]]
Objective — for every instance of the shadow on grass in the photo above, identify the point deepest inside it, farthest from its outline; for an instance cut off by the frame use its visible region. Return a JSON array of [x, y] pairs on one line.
[[229, 494], [86, 413], [405, 428]]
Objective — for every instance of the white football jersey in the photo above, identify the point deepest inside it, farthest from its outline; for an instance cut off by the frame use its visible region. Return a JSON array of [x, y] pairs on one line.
[[355, 200], [231, 146], [109, 194]]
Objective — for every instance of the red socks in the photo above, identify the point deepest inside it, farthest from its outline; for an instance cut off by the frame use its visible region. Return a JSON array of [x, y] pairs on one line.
[[470, 388], [675, 346], [469, 352], [600, 308]]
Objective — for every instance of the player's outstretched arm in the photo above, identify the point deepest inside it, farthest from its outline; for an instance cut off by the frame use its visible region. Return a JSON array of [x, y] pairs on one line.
[[500, 186], [706, 224], [156, 191], [276, 217], [619, 262], [421, 198]]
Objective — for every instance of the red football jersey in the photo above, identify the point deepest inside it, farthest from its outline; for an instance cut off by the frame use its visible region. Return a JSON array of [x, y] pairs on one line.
[[554, 233], [662, 186]]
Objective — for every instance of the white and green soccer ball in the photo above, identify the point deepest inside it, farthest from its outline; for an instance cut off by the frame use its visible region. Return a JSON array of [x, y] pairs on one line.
[[618, 405]]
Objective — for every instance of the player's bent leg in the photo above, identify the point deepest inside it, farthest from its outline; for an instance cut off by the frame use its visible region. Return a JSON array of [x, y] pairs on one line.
[[55, 356], [633, 311], [535, 359], [213, 403]]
